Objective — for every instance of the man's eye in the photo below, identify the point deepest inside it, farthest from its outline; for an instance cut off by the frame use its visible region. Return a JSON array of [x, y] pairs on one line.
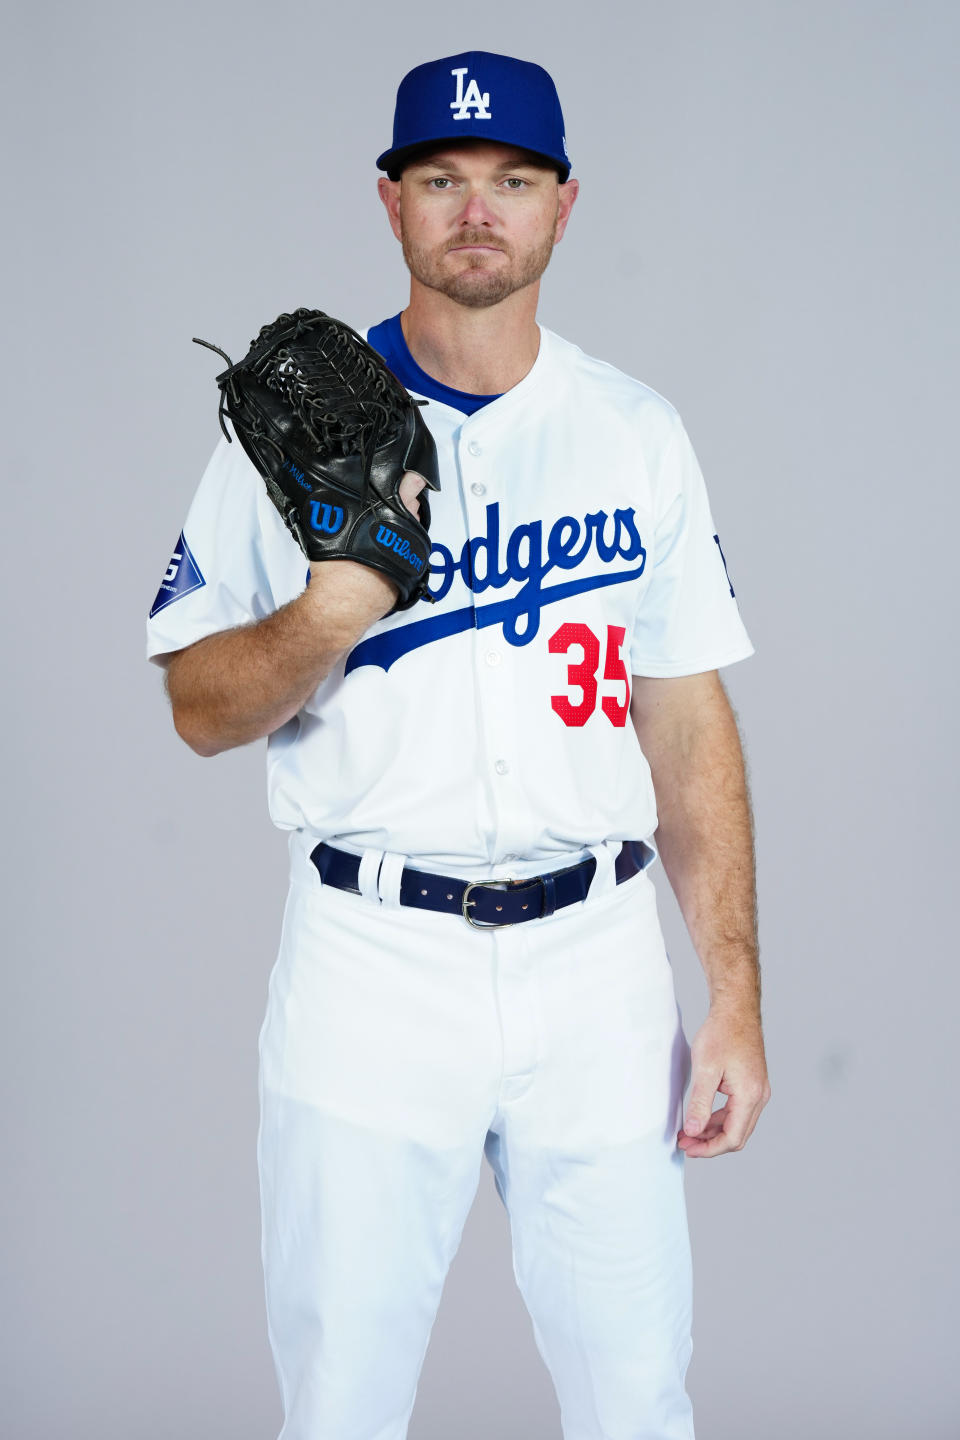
[[440, 182], [514, 182]]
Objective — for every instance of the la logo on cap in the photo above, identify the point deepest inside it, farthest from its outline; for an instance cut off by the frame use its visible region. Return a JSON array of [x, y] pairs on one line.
[[472, 97]]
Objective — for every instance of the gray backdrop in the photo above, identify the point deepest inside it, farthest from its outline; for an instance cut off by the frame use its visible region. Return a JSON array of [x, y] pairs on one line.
[[767, 234]]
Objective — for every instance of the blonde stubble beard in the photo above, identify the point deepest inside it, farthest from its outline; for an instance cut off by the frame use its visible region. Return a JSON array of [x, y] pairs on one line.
[[477, 287]]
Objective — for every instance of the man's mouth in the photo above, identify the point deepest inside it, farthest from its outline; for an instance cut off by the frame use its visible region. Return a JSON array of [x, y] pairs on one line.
[[482, 245]]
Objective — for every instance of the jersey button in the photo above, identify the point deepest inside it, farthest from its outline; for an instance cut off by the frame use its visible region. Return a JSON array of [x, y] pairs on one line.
[[478, 489], [501, 767], [493, 657], [474, 449]]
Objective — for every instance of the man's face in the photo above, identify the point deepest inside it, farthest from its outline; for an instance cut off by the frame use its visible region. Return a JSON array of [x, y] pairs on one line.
[[477, 221]]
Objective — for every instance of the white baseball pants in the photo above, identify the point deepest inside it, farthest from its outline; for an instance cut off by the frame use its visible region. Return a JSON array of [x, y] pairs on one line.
[[399, 1047]]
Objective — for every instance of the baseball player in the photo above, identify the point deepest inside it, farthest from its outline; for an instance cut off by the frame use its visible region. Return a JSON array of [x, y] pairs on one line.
[[475, 787]]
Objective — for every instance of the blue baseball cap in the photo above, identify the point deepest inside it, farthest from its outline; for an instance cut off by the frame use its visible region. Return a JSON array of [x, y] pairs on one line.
[[481, 96]]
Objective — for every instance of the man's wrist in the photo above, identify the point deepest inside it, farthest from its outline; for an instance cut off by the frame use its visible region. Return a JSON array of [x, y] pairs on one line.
[[737, 1000], [733, 982], [346, 598]]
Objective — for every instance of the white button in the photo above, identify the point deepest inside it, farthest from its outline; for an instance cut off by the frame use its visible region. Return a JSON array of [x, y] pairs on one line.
[[478, 489], [501, 767], [493, 657], [474, 449]]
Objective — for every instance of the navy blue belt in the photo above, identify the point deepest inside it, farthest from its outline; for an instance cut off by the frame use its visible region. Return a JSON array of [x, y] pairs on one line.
[[492, 902]]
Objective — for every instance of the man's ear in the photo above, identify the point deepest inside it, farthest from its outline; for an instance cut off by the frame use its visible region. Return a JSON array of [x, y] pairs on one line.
[[389, 192], [568, 193]]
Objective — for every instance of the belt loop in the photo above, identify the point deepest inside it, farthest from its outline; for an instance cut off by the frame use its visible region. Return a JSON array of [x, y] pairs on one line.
[[604, 877], [549, 895], [391, 874], [370, 862]]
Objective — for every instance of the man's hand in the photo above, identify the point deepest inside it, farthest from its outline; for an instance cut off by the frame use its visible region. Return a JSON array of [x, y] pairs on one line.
[[727, 1058], [689, 735]]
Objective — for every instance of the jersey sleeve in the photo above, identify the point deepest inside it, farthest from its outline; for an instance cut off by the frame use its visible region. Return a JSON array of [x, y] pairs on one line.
[[688, 620], [234, 562]]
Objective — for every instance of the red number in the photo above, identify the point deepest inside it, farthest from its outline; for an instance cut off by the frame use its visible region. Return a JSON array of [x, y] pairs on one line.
[[584, 674], [614, 669]]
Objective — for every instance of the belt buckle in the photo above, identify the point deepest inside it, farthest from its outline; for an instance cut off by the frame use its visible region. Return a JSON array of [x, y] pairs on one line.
[[505, 884], [466, 903]]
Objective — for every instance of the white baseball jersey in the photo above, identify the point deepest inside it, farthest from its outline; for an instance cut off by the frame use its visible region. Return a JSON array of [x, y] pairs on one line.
[[489, 733]]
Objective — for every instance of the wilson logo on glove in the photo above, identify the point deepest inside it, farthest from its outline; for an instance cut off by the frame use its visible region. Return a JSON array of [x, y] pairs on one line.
[[298, 475], [399, 546], [330, 520]]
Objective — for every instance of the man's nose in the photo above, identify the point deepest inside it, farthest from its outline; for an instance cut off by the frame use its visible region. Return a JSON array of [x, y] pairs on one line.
[[476, 209]]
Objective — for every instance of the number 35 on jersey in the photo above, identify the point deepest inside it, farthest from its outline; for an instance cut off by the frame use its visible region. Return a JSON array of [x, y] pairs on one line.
[[583, 649]]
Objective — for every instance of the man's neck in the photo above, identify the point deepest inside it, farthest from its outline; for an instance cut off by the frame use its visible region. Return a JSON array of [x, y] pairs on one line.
[[480, 351]]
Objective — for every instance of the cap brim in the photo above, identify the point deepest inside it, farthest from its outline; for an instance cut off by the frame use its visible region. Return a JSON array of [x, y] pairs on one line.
[[392, 159]]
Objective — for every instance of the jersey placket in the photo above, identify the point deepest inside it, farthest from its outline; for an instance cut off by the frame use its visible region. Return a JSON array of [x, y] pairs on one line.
[[492, 658]]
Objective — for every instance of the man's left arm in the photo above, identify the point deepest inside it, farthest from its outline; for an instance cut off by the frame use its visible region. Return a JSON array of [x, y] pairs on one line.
[[688, 733]]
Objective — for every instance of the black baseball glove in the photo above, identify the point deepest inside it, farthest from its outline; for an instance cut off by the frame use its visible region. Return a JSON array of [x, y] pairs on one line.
[[332, 432]]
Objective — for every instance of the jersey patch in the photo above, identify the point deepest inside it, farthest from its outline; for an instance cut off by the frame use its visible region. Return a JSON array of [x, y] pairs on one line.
[[182, 578]]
